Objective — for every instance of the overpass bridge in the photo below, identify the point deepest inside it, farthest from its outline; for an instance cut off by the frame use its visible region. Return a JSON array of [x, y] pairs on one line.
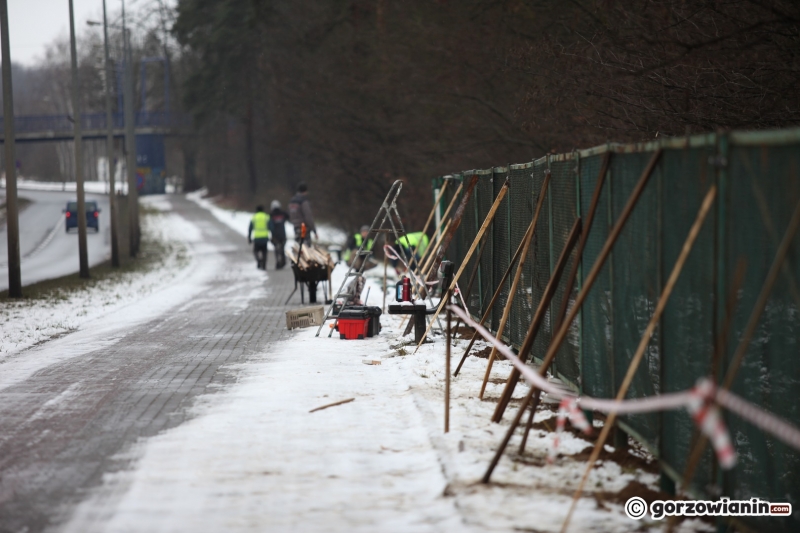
[[39, 128], [150, 129]]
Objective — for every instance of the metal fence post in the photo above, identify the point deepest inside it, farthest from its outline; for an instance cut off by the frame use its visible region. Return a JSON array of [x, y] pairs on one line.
[[549, 193], [509, 253], [666, 483], [609, 224], [578, 209], [477, 211], [724, 479]]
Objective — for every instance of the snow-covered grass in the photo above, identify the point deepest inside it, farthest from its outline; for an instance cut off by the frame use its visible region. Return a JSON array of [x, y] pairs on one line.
[[60, 307], [96, 187]]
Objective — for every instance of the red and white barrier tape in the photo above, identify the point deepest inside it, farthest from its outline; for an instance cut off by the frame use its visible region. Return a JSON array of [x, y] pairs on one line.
[[707, 416], [568, 408], [711, 424]]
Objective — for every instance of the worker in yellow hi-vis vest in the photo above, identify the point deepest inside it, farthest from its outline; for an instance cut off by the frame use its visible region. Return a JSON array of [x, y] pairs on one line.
[[259, 229], [354, 243], [417, 242]]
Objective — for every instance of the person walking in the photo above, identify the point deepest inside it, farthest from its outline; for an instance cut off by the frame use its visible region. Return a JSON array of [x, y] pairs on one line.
[[300, 213], [259, 229], [277, 231]]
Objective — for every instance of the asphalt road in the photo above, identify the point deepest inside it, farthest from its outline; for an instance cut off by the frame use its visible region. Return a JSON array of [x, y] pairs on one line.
[[46, 249], [73, 422]]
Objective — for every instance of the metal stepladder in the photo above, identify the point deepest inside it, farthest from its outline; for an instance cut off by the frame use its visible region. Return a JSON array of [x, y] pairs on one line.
[[387, 213]]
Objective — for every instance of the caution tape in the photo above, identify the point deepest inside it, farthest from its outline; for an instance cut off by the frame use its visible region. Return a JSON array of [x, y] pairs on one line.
[[568, 408], [699, 401], [759, 417], [706, 415]]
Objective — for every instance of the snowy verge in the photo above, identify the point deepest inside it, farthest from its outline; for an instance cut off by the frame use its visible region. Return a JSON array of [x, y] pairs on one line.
[[95, 187], [28, 322], [253, 457]]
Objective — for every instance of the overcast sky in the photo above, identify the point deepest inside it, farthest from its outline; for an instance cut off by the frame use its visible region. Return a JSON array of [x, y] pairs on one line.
[[33, 24]]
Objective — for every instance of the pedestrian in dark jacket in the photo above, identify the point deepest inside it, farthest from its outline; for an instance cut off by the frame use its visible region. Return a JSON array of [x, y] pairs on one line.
[[277, 230], [300, 213]]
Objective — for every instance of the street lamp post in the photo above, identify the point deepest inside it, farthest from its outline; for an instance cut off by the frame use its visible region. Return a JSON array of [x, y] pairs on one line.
[[83, 255], [112, 201], [12, 222], [130, 141]]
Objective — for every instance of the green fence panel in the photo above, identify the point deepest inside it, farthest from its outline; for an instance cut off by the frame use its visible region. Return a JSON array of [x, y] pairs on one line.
[[522, 207], [764, 188], [540, 248], [636, 285], [596, 312], [758, 175], [563, 195], [686, 331], [485, 196], [500, 236]]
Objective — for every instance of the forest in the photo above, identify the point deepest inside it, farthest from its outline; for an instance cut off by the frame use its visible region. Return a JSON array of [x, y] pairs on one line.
[[350, 95]]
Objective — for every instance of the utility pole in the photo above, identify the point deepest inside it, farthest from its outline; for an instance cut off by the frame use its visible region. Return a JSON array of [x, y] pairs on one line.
[[83, 253], [112, 200], [130, 141], [12, 213]]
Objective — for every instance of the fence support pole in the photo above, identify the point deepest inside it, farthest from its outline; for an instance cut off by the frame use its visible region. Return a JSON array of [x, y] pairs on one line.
[[517, 275], [720, 348], [538, 318], [747, 335], [555, 343], [643, 343], [466, 294], [496, 295], [440, 231], [447, 369], [573, 274], [433, 211], [489, 218]]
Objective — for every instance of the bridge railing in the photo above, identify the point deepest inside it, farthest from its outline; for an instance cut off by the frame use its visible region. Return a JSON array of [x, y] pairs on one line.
[[97, 121]]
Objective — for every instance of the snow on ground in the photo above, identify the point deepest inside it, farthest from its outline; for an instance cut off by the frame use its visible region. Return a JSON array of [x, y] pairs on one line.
[[253, 458], [28, 322], [96, 187], [239, 221]]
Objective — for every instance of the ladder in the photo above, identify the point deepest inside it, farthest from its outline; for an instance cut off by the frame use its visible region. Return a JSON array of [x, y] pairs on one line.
[[387, 213]]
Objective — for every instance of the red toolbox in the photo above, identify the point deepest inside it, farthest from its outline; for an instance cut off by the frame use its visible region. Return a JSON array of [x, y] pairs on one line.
[[353, 323]]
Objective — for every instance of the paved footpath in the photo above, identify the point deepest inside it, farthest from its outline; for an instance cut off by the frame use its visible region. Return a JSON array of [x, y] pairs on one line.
[[68, 424]]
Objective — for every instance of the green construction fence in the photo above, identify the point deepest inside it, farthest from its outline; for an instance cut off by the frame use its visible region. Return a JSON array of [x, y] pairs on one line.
[[758, 180]]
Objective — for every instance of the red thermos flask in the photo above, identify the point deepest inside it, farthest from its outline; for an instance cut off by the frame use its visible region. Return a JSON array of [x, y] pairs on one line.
[[406, 289]]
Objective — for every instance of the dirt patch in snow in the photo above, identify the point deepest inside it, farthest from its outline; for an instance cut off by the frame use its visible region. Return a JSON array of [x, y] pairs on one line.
[[483, 354]]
